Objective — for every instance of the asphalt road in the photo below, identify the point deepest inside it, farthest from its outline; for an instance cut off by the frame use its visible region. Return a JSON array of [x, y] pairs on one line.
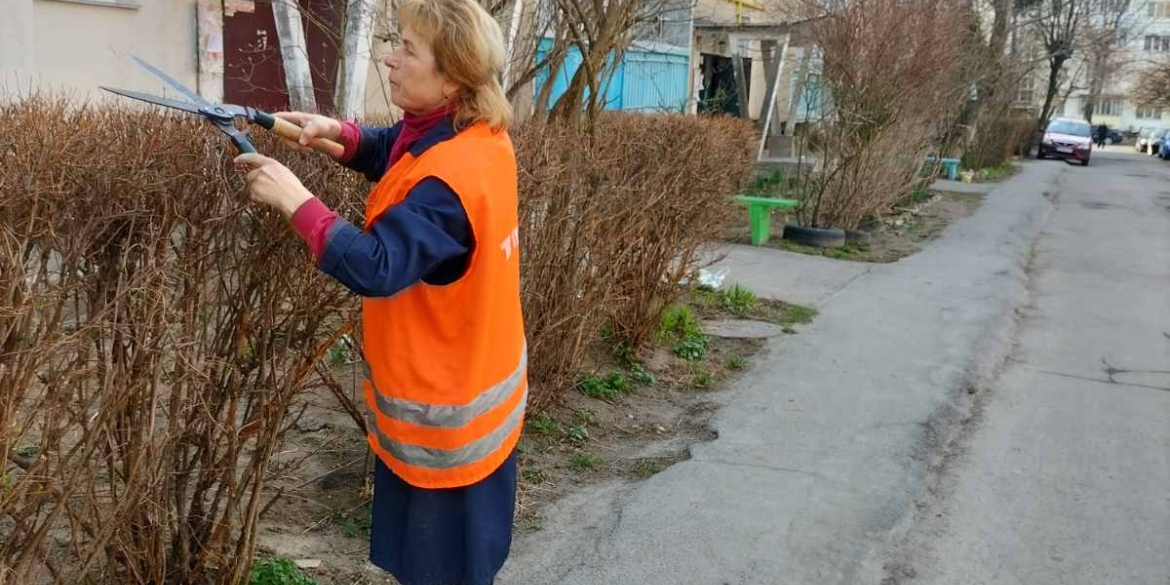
[[1063, 475]]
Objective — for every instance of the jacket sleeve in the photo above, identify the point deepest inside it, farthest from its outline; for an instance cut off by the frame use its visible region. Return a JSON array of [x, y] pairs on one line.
[[426, 237], [368, 149]]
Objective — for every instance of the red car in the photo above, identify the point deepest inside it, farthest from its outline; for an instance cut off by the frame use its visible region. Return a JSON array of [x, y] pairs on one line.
[[1067, 139]]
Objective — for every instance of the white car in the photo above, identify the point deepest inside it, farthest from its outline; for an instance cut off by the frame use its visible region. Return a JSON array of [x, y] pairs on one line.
[[1143, 138]]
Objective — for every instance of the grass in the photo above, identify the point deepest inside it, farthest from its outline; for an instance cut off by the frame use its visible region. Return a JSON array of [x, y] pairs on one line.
[[354, 525], [678, 322], [800, 315], [742, 303], [338, 354], [578, 434], [914, 198], [534, 475], [607, 387], [849, 251], [738, 301], [586, 416], [648, 467], [625, 354], [996, 174], [703, 379], [543, 424], [278, 571], [680, 330], [585, 461], [692, 349], [735, 363], [641, 376]]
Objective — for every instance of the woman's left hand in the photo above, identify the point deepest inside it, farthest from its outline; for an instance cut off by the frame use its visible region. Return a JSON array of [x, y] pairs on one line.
[[273, 184]]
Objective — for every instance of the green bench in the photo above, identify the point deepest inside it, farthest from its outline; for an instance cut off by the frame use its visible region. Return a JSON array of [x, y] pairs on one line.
[[760, 210], [950, 164]]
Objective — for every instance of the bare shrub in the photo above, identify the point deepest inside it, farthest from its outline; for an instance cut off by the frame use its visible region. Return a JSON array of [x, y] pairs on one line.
[[156, 329], [892, 70], [611, 225]]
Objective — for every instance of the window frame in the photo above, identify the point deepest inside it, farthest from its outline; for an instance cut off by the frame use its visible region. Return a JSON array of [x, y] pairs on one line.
[[126, 4]]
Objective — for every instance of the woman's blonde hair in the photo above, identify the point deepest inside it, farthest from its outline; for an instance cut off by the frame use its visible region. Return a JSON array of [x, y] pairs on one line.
[[469, 50]]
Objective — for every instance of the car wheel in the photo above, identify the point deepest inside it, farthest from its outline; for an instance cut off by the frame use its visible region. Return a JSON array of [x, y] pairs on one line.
[[1085, 163]]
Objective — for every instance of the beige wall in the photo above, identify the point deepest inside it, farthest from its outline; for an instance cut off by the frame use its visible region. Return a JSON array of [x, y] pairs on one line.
[[755, 11], [723, 12], [74, 47], [16, 53]]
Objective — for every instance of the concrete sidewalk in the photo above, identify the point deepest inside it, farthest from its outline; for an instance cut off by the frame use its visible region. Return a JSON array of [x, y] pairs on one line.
[[789, 276], [823, 446], [800, 278]]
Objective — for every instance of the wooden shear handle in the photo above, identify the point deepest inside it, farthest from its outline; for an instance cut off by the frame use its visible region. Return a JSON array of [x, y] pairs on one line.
[[293, 132]]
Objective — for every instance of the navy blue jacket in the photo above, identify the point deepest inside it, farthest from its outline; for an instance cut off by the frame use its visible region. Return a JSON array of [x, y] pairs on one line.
[[426, 237]]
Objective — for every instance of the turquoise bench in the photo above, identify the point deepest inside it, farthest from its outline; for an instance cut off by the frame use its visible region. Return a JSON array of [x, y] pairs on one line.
[[950, 164], [760, 210]]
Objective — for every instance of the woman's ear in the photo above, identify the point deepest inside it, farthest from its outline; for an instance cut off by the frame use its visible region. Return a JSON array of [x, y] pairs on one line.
[[450, 89]]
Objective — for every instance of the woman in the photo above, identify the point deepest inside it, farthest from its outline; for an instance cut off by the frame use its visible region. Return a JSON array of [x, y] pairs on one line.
[[438, 268]]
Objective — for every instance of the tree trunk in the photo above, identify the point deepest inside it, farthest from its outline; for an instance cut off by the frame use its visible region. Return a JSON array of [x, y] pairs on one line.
[[1055, 65], [1098, 70], [513, 31], [355, 59], [295, 55]]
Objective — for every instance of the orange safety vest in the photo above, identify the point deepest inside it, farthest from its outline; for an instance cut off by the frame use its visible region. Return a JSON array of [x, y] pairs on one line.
[[448, 364]]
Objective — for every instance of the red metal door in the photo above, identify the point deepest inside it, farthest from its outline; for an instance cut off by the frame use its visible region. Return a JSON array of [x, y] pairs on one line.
[[253, 73]]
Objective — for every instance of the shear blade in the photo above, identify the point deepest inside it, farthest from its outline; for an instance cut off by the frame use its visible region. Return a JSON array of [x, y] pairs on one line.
[[152, 99]]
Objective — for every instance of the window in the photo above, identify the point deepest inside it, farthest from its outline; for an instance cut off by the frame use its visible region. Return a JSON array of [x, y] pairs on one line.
[[118, 3], [1026, 91], [1149, 113], [1070, 127], [1108, 107], [1115, 6], [1156, 43], [1158, 9]]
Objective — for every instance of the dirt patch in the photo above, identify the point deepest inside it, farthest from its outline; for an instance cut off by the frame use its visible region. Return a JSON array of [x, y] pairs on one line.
[[629, 417], [907, 231], [323, 476]]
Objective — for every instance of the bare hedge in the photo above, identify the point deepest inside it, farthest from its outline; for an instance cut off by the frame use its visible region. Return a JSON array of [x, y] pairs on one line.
[[156, 328]]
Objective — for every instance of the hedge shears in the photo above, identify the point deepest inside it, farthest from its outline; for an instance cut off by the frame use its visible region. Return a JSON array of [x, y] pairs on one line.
[[224, 115]]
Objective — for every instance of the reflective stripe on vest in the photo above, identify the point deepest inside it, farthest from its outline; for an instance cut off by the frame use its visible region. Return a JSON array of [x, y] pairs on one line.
[[444, 416], [451, 416], [435, 458]]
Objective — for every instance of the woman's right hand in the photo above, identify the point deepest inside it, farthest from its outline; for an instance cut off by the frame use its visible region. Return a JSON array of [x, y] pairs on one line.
[[312, 126]]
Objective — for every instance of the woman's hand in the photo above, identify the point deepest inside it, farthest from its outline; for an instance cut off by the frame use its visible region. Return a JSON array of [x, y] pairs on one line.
[[312, 126], [273, 184]]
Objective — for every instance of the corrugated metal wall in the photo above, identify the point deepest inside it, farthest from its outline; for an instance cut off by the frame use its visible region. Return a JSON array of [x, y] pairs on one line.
[[652, 77]]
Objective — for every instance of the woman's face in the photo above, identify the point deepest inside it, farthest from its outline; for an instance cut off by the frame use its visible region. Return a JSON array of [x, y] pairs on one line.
[[416, 85]]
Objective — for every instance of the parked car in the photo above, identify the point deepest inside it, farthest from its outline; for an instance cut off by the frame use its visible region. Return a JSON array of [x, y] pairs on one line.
[[1154, 144], [1143, 138], [1068, 139], [1104, 136]]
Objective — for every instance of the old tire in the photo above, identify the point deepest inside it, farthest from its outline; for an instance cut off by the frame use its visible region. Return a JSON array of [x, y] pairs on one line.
[[816, 237]]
